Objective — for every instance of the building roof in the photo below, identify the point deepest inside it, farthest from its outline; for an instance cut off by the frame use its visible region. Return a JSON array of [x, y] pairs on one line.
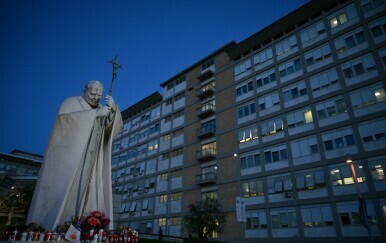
[[207, 58], [141, 105], [284, 25]]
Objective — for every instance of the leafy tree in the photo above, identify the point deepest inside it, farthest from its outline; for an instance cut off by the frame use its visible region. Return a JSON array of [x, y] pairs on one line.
[[204, 218]]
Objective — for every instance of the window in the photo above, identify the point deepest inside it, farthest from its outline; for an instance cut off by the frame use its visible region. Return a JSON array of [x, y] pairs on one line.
[[176, 152], [169, 102], [290, 67], [377, 168], [341, 174], [246, 110], [135, 121], [373, 130], [299, 118], [244, 88], [263, 56], [257, 220], [331, 108], [294, 91], [175, 221], [169, 86], [167, 119], [179, 96], [343, 17], [317, 55], [338, 20], [279, 184], [253, 188], [382, 54], [275, 154], [358, 66], [145, 117], [378, 28], [180, 80], [242, 67], [166, 137], [155, 113], [248, 134], [324, 80], [368, 96], [266, 78], [153, 145], [143, 134], [368, 5], [304, 147], [317, 216], [178, 114], [176, 173], [250, 160], [164, 176], [272, 126], [207, 65], [310, 180], [142, 149], [176, 196], [286, 45], [269, 101], [349, 213], [312, 32], [126, 127], [165, 156], [162, 222], [154, 128], [178, 132], [209, 195], [132, 153], [133, 137], [283, 218], [338, 139], [350, 41]]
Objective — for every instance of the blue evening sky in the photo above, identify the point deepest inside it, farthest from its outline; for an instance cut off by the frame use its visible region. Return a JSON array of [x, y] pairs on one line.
[[50, 48]]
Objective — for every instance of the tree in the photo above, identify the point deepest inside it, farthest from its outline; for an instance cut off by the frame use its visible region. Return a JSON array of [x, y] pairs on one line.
[[204, 218]]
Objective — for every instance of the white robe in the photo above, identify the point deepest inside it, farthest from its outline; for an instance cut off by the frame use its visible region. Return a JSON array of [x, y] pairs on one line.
[[60, 191]]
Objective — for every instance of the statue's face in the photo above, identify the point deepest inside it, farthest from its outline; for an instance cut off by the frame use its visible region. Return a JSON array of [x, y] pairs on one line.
[[93, 95]]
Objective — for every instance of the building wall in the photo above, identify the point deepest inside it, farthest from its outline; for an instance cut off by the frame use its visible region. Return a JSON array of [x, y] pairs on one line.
[[273, 121]]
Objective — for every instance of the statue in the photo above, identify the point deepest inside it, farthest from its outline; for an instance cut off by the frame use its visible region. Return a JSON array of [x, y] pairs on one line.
[[75, 177]]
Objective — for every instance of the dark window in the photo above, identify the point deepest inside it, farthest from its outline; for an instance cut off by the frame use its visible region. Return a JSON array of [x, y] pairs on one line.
[[360, 36], [348, 73], [328, 145], [338, 142], [359, 69], [379, 136], [350, 42], [376, 30], [367, 139], [350, 139], [268, 157], [314, 149], [283, 154]]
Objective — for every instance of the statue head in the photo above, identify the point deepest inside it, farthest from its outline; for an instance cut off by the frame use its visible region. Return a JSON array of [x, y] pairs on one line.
[[92, 93]]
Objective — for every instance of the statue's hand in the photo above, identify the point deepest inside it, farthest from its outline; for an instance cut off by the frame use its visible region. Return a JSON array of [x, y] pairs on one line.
[[110, 103], [103, 112]]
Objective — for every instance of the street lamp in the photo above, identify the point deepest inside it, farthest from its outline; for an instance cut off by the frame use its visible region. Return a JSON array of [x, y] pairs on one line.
[[361, 200], [350, 163]]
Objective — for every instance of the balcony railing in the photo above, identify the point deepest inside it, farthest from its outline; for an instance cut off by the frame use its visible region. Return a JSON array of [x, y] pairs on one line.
[[206, 131], [206, 154], [205, 74], [205, 110], [205, 91], [207, 178]]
